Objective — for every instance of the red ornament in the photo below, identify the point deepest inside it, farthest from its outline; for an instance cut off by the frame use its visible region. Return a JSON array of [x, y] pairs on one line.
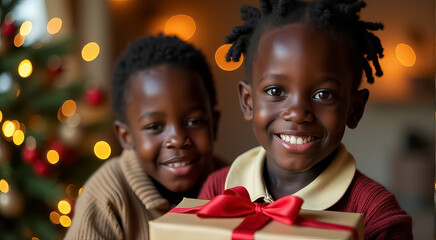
[[65, 155], [94, 96], [29, 155], [9, 29], [54, 73], [58, 146], [41, 168]]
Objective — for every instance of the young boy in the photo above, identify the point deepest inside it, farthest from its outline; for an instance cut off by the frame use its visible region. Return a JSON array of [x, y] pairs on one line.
[[164, 100], [304, 63]]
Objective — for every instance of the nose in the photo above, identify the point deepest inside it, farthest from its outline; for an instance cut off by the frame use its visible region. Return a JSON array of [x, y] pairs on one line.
[[177, 139], [297, 111]]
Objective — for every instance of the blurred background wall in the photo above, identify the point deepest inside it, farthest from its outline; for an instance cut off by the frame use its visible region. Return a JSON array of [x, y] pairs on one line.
[[394, 142]]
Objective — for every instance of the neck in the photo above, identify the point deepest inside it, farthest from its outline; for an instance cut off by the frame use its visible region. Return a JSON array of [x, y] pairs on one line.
[[176, 197], [281, 182]]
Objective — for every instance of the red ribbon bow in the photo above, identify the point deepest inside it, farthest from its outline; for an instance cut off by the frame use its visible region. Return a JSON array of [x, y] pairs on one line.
[[235, 202]]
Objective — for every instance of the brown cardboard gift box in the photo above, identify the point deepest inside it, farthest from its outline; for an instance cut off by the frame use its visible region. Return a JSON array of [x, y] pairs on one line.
[[190, 227]]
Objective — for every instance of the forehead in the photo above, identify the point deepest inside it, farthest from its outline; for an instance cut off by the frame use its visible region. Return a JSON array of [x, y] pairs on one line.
[[299, 43], [166, 81]]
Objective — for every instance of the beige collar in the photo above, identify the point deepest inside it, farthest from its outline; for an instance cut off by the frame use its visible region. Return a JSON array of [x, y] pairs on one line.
[[140, 183], [320, 194]]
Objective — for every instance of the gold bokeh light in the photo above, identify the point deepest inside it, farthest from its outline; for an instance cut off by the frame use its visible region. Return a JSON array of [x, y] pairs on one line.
[[180, 25], [64, 207], [54, 25], [18, 137], [19, 40], [4, 186], [69, 108], [405, 55], [8, 128], [65, 221], [102, 150], [220, 58], [52, 156], [26, 28], [90, 51], [25, 68]]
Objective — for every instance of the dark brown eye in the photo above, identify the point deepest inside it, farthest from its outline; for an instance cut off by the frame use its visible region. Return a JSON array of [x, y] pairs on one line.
[[274, 91], [323, 95]]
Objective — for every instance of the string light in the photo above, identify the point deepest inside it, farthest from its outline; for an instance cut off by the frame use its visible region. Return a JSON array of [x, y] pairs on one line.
[[64, 207], [54, 25], [8, 128], [54, 217], [25, 68], [65, 221], [90, 51], [102, 150], [26, 28], [405, 55], [19, 40], [18, 137], [180, 25], [220, 58], [68, 108], [4, 186], [52, 156]]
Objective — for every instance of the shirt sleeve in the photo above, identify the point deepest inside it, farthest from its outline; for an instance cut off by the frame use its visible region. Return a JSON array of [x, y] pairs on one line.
[[95, 217], [214, 184]]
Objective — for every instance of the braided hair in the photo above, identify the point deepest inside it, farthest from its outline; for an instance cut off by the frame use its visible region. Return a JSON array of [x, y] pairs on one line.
[[340, 17], [151, 51]]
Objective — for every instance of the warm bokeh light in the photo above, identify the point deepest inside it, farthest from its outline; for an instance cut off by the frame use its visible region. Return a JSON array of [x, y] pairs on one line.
[[80, 191], [1, 115], [64, 207], [54, 217], [35, 238], [18, 92], [68, 108], [4, 186], [220, 58], [181, 25], [54, 25], [18, 137], [8, 128], [405, 55], [26, 28], [102, 150], [19, 40], [25, 68], [90, 51], [65, 221], [52, 156]]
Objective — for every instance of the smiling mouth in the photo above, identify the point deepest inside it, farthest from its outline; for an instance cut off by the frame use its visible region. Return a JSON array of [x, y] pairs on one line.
[[178, 163], [297, 140]]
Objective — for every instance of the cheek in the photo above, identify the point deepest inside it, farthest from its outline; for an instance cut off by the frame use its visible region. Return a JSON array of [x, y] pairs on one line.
[[148, 149]]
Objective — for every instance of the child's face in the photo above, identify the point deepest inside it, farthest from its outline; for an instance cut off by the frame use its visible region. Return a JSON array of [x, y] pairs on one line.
[[170, 125], [300, 98]]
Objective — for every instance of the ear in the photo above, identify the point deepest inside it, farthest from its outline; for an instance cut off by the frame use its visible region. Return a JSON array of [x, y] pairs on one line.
[[123, 135], [216, 117], [357, 107], [246, 100]]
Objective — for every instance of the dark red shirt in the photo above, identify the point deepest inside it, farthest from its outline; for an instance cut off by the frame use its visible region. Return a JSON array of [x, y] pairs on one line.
[[383, 217]]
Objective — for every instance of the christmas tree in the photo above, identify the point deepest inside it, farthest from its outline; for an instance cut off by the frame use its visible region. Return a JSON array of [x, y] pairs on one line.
[[45, 155]]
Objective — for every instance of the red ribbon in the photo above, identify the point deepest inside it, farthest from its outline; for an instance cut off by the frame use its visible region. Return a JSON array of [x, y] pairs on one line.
[[235, 202]]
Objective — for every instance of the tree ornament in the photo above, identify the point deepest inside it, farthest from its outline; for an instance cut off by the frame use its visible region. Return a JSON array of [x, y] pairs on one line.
[[94, 96], [41, 168], [11, 203], [29, 155], [9, 29]]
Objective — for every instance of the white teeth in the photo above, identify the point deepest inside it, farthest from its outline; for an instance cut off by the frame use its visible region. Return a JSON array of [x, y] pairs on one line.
[[178, 164], [296, 140]]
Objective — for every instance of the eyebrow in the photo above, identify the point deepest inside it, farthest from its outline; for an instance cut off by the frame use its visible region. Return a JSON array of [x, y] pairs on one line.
[[148, 115], [326, 78]]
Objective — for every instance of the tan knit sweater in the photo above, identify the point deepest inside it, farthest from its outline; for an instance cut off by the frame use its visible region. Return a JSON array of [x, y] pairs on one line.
[[117, 202]]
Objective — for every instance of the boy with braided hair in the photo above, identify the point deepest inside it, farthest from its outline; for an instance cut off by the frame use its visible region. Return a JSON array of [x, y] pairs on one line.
[[304, 64]]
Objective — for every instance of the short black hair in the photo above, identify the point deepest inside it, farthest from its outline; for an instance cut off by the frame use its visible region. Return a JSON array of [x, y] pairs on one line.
[[147, 52], [339, 16]]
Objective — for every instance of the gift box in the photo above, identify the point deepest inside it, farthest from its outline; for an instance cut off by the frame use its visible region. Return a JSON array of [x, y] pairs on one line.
[[190, 226]]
